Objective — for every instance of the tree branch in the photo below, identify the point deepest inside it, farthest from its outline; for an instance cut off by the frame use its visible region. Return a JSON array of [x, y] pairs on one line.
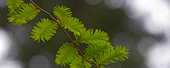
[[64, 31]]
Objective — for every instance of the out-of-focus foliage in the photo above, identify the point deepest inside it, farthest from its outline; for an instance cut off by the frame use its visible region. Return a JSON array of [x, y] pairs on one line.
[[14, 4]]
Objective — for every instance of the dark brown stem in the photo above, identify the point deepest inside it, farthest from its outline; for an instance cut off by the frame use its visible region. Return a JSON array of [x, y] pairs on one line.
[[73, 42]]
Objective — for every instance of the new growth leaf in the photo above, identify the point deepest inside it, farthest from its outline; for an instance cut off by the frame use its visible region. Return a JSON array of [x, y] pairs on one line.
[[63, 14], [112, 56], [66, 54], [44, 30], [22, 14], [91, 37]]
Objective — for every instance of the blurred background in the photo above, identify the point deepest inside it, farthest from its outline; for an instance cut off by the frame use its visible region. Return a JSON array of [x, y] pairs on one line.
[[143, 26]]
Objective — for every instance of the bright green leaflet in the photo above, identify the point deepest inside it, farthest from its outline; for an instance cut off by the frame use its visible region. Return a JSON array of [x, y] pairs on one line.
[[66, 54], [79, 62], [91, 37], [112, 56], [63, 14], [24, 13], [14, 4], [94, 50], [44, 30]]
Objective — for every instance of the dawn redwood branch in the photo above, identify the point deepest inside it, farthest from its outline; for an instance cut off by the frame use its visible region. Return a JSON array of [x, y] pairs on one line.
[[73, 42]]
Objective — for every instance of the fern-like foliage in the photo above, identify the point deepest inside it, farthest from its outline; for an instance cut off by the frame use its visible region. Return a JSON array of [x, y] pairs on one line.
[[44, 30], [24, 13], [94, 50], [91, 36], [63, 14], [99, 51], [112, 56], [66, 54], [13, 4], [73, 25], [79, 62]]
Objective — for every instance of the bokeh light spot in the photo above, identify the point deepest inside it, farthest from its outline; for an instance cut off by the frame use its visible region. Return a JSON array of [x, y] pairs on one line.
[[2, 3], [122, 39], [114, 4], [93, 2], [159, 56], [39, 61], [144, 44]]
